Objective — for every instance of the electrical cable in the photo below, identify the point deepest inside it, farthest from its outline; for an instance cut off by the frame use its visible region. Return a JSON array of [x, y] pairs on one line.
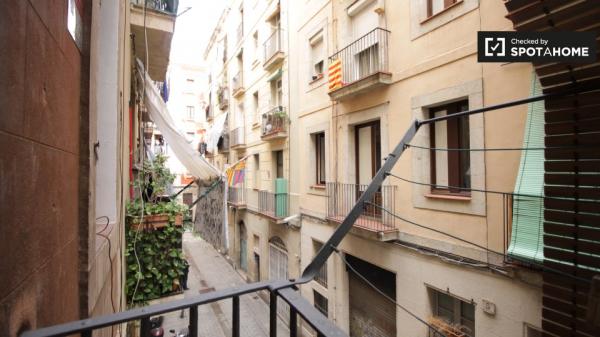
[[100, 233], [519, 259], [575, 147], [464, 189], [364, 279]]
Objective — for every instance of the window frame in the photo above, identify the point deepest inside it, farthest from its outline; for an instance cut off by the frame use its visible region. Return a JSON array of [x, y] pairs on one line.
[[320, 158], [190, 112], [321, 277], [319, 306], [457, 310], [447, 5], [453, 130]]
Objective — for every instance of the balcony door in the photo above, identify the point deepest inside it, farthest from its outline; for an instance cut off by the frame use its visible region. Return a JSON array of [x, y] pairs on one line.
[[368, 161]]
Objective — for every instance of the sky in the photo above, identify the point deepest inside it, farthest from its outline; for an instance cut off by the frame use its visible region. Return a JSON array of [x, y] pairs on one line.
[[193, 29]]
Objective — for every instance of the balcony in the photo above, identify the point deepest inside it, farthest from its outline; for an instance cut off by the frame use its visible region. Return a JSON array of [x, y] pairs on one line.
[[160, 25], [238, 84], [236, 196], [273, 50], [373, 223], [237, 138], [210, 113], [223, 98], [273, 205], [223, 144], [364, 65], [274, 124]]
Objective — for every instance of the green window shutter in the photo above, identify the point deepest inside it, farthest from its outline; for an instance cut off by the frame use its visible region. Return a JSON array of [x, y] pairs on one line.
[[281, 198], [527, 237]]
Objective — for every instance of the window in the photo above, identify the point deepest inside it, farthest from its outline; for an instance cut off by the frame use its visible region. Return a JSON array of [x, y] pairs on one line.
[[321, 168], [256, 107], [450, 168], [321, 277], [454, 311], [189, 85], [255, 44], [256, 172], [317, 50], [190, 112], [321, 303], [279, 164], [436, 6], [276, 92]]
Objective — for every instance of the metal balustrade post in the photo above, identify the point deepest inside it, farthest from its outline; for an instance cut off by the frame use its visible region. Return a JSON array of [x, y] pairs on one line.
[[193, 323], [145, 326], [272, 314], [293, 322], [87, 333], [235, 328]]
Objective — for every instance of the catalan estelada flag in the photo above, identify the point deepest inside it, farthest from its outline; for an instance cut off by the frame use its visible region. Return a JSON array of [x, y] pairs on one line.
[[335, 74]]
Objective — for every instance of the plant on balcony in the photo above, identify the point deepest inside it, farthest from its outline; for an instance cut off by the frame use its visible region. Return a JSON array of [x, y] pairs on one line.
[[153, 236]]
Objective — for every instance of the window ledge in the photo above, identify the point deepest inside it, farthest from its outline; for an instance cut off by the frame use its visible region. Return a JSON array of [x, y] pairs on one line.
[[318, 187], [255, 125], [457, 197], [429, 18], [319, 77]]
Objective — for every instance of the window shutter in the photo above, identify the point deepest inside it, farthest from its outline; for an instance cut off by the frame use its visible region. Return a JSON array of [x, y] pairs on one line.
[[527, 237]]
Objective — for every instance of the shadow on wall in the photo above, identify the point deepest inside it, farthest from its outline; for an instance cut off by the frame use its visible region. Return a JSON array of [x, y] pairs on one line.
[[209, 216]]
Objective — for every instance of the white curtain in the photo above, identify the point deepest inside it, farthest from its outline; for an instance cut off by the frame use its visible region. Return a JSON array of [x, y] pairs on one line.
[[187, 155]]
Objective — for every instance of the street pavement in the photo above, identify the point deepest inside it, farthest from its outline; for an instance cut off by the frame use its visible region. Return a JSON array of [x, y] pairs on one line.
[[210, 271]]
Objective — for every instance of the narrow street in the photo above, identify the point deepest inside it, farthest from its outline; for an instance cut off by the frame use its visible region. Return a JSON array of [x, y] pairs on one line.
[[210, 271]]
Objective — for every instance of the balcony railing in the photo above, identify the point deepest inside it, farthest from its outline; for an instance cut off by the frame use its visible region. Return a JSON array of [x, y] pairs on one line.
[[237, 195], [236, 138], [274, 123], [272, 46], [166, 6], [237, 83], [364, 57], [342, 197], [275, 205]]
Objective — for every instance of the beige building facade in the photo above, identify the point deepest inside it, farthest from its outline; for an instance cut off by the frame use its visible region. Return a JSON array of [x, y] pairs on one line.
[[396, 62], [402, 61]]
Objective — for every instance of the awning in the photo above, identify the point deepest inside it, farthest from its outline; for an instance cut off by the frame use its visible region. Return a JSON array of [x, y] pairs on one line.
[[191, 159]]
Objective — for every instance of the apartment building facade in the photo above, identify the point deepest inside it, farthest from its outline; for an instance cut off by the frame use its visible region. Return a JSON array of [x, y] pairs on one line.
[[248, 56], [361, 72]]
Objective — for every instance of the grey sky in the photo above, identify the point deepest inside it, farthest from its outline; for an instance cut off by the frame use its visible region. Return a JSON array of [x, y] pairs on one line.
[[193, 29]]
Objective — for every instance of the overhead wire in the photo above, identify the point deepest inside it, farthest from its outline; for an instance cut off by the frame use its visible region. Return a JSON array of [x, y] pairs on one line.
[[575, 147], [101, 233], [516, 258]]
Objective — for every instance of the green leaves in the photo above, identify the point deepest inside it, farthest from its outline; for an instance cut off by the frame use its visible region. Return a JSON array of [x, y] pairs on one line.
[[161, 263]]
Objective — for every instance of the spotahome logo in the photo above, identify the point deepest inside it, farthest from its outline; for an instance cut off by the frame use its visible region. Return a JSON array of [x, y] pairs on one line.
[[536, 47]]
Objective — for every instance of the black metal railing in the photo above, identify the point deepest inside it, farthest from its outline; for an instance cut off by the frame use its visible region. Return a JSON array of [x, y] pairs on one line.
[[274, 121], [273, 45], [237, 195], [166, 6], [277, 289], [237, 82], [236, 137], [342, 197], [275, 205], [366, 56]]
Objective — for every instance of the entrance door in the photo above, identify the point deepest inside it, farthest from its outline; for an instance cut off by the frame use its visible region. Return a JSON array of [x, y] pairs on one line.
[[278, 270], [243, 247], [371, 314], [368, 162]]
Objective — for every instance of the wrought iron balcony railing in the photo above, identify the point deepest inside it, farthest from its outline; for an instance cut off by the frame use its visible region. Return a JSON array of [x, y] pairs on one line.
[[342, 197], [236, 195], [274, 123], [166, 6], [275, 205], [273, 45], [236, 138], [237, 83], [364, 57]]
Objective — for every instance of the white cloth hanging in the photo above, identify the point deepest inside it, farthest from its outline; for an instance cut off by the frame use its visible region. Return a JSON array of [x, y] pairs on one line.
[[187, 155]]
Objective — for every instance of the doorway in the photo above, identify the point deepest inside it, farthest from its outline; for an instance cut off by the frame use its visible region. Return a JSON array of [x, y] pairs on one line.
[[367, 144]]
